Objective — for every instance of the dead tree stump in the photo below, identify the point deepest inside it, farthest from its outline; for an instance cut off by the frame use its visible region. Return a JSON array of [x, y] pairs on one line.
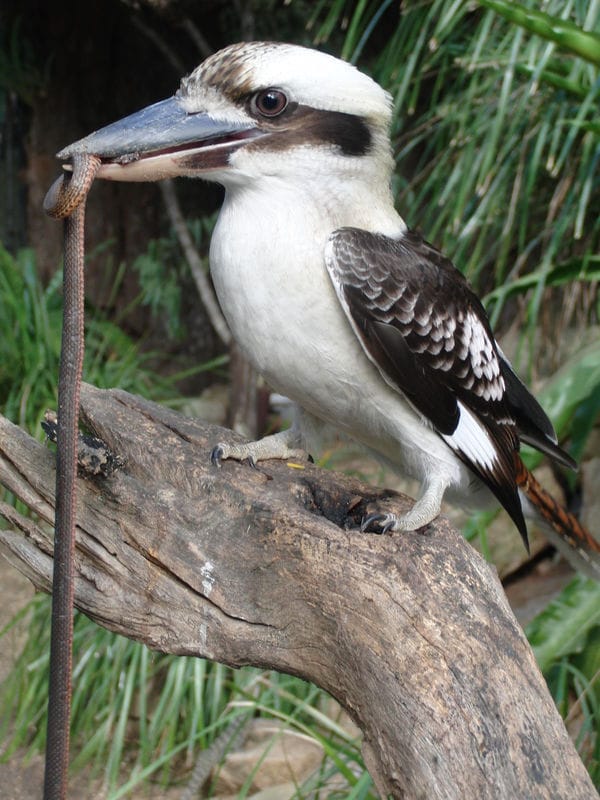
[[410, 632]]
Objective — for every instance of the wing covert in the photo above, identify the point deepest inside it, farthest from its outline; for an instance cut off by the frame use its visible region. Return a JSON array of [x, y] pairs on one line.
[[406, 300], [427, 333]]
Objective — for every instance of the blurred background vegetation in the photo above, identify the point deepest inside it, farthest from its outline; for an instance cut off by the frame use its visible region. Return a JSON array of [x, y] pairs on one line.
[[496, 135]]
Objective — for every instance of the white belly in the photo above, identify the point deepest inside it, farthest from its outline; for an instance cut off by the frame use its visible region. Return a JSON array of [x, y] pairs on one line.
[[283, 311]]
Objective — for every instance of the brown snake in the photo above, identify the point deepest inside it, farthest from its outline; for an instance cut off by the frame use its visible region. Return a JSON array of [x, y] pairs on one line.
[[66, 200]]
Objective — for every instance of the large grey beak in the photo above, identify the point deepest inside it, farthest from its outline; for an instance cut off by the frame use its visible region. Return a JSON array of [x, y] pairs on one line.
[[162, 141]]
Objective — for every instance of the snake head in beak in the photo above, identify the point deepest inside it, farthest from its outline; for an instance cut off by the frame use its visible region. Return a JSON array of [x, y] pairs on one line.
[[163, 140]]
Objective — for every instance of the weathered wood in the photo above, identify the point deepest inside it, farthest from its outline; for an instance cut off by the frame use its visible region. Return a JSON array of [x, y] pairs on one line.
[[410, 632]]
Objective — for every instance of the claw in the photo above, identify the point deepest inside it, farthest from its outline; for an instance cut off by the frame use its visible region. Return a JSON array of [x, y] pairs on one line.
[[388, 521], [216, 454], [389, 525], [369, 520]]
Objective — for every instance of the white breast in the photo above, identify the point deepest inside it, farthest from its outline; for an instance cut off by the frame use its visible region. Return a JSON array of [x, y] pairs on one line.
[[271, 280], [273, 286]]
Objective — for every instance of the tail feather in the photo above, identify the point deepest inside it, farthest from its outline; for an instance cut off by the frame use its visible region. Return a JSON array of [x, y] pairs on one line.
[[561, 527]]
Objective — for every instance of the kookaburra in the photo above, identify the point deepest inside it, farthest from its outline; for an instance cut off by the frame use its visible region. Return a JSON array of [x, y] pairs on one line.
[[340, 306]]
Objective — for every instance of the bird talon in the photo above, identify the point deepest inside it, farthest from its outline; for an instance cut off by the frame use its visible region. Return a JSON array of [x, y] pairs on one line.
[[220, 452], [388, 523], [369, 520]]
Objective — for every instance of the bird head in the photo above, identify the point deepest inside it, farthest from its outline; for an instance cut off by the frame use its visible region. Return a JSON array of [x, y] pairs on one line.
[[250, 110]]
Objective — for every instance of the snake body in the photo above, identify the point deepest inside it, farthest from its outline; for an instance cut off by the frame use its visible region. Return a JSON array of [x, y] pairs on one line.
[[66, 200]]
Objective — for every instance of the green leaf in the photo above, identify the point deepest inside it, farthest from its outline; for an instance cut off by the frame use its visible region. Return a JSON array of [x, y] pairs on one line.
[[564, 33], [562, 628], [575, 382]]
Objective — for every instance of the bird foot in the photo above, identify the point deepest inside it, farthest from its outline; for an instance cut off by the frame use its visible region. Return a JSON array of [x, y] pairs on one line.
[[388, 523], [420, 516], [219, 453], [278, 445], [423, 512]]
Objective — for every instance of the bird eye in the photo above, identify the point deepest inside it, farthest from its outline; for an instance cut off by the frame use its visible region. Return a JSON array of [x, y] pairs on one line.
[[269, 102]]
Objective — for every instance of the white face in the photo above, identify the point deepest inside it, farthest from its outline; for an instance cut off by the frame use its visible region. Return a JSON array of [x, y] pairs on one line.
[[251, 109]]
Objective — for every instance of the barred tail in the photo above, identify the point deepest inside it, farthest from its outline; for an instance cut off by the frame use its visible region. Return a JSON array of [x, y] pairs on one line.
[[561, 527]]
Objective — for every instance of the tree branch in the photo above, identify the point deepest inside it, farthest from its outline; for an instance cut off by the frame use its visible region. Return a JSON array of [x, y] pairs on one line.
[[410, 632]]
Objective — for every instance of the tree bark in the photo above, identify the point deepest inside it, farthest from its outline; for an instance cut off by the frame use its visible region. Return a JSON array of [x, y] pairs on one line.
[[410, 632]]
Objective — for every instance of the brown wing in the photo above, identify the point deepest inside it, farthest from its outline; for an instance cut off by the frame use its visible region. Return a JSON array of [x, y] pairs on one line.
[[428, 334]]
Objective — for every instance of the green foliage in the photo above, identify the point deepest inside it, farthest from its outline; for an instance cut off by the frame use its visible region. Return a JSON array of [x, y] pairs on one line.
[[29, 340], [162, 271], [566, 641], [565, 33], [565, 624], [160, 283], [153, 712], [30, 325]]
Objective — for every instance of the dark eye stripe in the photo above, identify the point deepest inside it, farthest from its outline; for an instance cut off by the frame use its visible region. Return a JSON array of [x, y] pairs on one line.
[[306, 125]]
